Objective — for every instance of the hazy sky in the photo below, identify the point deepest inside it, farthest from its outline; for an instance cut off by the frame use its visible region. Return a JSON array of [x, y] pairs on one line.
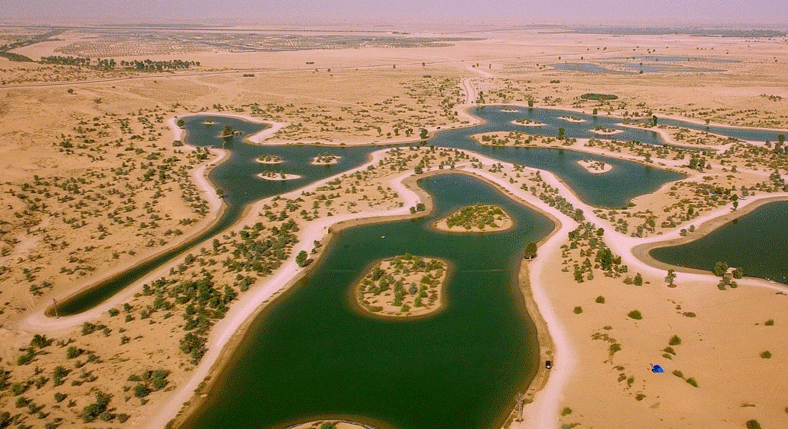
[[262, 12]]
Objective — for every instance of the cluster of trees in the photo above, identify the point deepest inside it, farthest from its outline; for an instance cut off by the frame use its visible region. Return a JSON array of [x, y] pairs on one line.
[[378, 281], [111, 64], [588, 239], [149, 381], [598, 97], [258, 252], [478, 215]]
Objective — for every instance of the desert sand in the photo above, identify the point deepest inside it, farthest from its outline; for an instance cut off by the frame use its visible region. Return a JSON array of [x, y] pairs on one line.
[[64, 168]]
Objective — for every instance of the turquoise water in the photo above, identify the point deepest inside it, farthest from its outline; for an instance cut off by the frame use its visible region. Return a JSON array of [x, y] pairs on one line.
[[755, 242], [312, 354]]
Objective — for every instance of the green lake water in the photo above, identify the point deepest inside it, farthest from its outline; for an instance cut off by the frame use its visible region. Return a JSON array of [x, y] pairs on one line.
[[756, 242], [312, 354]]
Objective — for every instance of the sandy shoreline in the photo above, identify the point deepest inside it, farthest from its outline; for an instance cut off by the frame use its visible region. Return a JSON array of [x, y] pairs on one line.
[[708, 224]]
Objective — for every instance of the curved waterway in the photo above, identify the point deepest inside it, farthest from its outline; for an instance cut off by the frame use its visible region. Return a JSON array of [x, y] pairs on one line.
[[236, 178], [312, 354], [754, 242], [236, 175]]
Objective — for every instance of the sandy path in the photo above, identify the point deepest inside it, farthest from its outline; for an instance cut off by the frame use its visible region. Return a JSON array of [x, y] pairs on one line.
[[470, 92], [543, 411]]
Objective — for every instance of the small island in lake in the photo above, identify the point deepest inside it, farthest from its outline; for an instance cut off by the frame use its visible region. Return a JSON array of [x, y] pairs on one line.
[[476, 218], [572, 119], [325, 159], [595, 167], [525, 122], [403, 286], [277, 175], [269, 159], [228, 132], [606, 131]]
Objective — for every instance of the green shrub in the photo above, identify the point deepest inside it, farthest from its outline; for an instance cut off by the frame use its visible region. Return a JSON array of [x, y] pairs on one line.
[[578, 310], [141, 391], [692, 382], [566, 411], [600, 299], [766, 355], [769, 322], [18, 388], [73, 352], [635, 314], [674, 340], [753, 424]]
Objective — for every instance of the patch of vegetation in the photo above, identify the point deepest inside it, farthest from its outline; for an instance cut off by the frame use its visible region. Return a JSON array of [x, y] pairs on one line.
[[753, 424], [635, 314], [15, 57], [478, 215], [598, 97], [403, 282]]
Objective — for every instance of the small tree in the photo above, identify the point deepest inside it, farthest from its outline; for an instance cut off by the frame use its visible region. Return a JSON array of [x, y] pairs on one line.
[[301, 258], [654, 120], [638, 281], [720, 268], [530, 250], [671, 277]]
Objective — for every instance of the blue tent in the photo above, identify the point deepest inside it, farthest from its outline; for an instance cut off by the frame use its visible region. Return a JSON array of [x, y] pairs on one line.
[[657, 368]]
